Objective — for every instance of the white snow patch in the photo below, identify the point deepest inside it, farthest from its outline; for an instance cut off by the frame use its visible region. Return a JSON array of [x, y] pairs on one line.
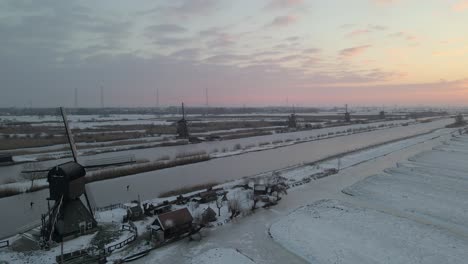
[[335, 232], [221, 255]]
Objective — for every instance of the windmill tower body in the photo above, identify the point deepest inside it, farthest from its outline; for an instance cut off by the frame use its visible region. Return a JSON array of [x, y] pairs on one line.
[[347, 115], [292, 119], [182, 126], [382, 114], [68, 216]]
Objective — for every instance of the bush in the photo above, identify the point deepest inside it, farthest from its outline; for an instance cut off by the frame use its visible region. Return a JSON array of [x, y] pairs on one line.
[[165, 157], [9, 191], [238, 146], [188, 189], [157, 165]]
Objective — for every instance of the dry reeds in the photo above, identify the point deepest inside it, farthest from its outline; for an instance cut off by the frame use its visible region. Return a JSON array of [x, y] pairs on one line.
[[188, 189]]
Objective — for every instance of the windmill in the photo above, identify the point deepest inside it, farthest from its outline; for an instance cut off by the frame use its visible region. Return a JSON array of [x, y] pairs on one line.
[[68, 215], [382, 114], [292, 119], [182, 126], [347, 115]]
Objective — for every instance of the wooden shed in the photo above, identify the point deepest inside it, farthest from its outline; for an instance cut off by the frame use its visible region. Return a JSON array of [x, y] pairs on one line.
[[6, 159], [172, 224]]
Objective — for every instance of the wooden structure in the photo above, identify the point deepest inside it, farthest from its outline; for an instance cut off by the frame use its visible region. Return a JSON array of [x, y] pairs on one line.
[[68, 216], [209, 215], [459, 120], [260, 189], [292, 121], [134, 213], [382, 114], [6, 159], [208, 196], [182, 126], [347, 115], [171, 225]]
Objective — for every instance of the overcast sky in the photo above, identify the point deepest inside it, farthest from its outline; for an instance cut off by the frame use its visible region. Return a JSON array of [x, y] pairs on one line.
[[252, 52]]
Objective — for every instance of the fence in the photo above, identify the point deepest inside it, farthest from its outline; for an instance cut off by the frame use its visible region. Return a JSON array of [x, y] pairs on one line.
[[28, 227], [132, 228], [110, 207], [5, 243], [94, 253], [72, 255]]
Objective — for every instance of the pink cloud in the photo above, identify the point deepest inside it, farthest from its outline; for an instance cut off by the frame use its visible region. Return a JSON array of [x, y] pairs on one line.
[[367, 30], [359, 32], [354, 51], [275, 4], [282, 21], [404, 35], [384, 1], [460, 6]]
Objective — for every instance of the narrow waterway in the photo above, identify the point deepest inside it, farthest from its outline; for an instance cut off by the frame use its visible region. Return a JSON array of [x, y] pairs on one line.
[[148, 185]]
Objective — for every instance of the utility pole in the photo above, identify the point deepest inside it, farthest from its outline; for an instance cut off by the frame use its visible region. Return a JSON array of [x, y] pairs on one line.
[[102, 96], [76, 97], [206, 101], [157, 98]]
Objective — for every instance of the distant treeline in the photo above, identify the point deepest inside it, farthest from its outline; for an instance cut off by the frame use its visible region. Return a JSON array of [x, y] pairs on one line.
[[155, 110]]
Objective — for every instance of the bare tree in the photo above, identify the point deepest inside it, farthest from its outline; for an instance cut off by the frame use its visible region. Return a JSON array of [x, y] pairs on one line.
[[219, 204], [31, 172], [234, 207], [280, 188]]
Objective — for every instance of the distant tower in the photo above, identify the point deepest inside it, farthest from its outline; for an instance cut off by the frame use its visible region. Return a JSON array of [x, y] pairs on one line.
[[182, 126], [102, 97], [206, 101], [157, 98], [76, 97], [347, 115]]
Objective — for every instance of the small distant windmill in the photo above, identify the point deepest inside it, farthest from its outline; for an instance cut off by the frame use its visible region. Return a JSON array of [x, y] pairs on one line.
[[347, 115], [382, 114], [292, 119], [182, 126]]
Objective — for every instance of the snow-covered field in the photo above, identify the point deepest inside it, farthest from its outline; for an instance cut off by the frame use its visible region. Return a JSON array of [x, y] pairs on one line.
[[413, 213], [330, 231]]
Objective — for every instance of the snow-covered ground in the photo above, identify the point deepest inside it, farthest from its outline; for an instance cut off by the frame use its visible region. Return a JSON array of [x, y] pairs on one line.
[[394, 217], [221, 255], [330, 231], [249, 234]]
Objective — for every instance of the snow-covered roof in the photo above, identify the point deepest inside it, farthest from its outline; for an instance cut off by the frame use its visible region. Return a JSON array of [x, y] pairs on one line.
[[174, 218]]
